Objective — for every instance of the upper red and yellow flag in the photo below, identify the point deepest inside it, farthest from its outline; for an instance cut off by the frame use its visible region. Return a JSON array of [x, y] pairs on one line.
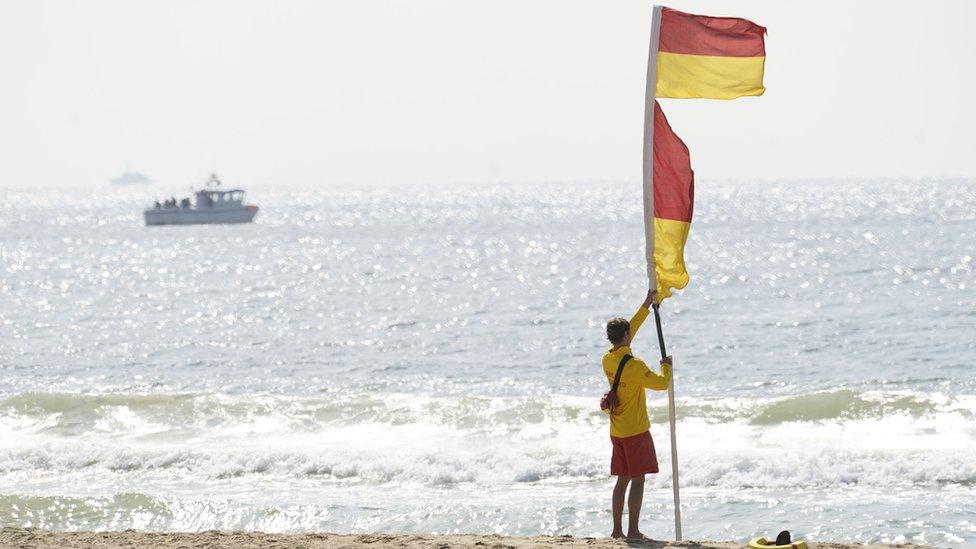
[[709, 57]]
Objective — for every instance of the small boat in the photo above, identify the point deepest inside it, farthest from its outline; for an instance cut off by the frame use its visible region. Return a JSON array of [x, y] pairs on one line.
[[130, 178], [212, 205]]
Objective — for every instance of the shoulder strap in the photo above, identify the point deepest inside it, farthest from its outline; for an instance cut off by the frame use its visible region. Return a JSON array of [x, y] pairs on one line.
[[620, 370]]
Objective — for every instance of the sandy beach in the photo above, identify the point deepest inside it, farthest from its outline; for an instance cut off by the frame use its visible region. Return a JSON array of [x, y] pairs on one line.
[[30, 538]]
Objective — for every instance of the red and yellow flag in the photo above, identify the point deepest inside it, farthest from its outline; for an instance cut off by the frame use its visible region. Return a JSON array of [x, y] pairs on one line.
[[696, 57], [709, 57], [674, 197]]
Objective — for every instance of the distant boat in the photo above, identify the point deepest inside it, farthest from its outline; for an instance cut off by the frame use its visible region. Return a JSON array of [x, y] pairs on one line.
[[130, 178], [212, 205]]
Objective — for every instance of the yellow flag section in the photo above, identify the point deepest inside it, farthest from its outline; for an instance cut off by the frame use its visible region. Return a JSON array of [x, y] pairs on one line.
[[674, 197], [709, 57]]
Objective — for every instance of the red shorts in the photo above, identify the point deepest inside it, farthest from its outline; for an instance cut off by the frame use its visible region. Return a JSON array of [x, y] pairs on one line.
[[633, 456]]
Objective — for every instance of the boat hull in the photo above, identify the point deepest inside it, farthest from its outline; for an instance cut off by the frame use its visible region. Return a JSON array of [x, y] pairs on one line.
[[187, 216]]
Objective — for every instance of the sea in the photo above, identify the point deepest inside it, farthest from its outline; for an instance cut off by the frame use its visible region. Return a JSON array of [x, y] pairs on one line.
[[425, 358]]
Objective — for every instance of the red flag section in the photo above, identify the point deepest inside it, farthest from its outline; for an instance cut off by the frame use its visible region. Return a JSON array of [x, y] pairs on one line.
[[690, 34], [674, 180]]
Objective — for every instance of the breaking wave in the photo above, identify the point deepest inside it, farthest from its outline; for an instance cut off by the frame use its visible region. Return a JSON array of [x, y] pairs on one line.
[[814, 440], [67, 412]]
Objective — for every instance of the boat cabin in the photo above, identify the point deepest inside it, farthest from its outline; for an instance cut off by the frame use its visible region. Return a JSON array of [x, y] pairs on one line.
[[209, 198]]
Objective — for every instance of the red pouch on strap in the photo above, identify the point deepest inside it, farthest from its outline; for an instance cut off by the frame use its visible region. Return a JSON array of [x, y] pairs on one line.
[[610, 399]]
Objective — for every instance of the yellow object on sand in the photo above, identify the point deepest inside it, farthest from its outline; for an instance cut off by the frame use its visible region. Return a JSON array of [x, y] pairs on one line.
[[763, 543]]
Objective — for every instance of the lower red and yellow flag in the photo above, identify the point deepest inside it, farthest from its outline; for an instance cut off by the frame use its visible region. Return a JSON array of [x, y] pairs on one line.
[[674, 197]]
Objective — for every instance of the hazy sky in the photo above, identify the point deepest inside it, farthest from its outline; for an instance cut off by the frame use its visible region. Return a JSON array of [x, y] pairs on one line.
[[460, 91]]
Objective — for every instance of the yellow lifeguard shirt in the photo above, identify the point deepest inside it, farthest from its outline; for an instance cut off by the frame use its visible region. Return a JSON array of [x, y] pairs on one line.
[[630, 417]]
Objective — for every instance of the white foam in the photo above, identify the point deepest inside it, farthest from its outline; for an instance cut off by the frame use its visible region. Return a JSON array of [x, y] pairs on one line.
[[483, 440]]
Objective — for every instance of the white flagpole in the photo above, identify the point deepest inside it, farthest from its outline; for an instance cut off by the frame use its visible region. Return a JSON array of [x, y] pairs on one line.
[[674, 462], [649, 96]]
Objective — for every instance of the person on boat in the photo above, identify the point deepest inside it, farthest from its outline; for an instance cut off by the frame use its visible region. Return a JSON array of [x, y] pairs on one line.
[[158, 205], [633, 448], [185, 203]]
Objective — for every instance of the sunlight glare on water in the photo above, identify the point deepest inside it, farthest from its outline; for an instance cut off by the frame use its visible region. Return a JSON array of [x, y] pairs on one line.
[[423, 358]]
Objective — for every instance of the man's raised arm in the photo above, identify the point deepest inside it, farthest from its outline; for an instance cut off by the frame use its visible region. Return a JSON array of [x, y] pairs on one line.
[[641, 314], [655, 381]]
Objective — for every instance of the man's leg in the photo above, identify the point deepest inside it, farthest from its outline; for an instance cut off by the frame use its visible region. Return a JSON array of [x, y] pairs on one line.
[[634, 507], [618, 506]]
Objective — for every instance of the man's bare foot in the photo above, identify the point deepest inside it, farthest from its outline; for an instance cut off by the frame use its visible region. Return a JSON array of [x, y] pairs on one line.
[[636, 536], [617, 534]]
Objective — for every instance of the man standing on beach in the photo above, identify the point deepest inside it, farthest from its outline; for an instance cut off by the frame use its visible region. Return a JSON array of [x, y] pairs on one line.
[[633, 448]]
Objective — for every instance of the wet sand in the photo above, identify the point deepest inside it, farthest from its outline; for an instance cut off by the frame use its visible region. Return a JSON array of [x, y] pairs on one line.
[[24, 538]]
